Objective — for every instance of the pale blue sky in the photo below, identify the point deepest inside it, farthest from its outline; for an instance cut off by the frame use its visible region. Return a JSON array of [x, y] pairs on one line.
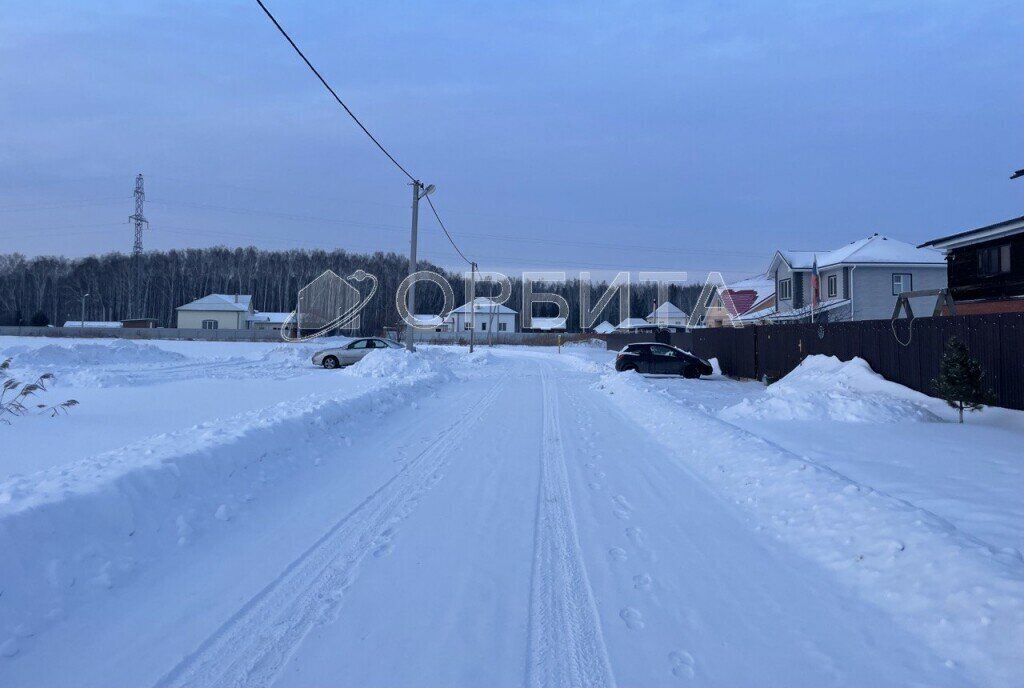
[[642, 135]]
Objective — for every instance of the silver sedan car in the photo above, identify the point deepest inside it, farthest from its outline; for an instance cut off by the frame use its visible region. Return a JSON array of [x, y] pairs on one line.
[[351, 352]]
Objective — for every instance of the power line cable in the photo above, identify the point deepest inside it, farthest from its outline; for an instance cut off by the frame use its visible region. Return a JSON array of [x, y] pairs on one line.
[[331, 90], [445, 230]]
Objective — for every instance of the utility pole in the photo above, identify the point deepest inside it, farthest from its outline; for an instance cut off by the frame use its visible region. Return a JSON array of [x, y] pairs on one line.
[[472, 304], [139, 218], [418, 192]]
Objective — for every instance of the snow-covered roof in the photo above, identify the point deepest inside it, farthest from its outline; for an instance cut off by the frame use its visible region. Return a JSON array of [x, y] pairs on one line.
[[635, 324], [269, 317], [547, 323], [604, 327], [91, 323], [667, 310], [219, 302], [482, 304], [748, 293], [974, 236], [873, 250]]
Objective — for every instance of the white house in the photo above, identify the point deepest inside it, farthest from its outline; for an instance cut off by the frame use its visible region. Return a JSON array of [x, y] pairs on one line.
[[668, 315], [435, 322], [217, 312], [604, 327], [487, 315], [859, 281]]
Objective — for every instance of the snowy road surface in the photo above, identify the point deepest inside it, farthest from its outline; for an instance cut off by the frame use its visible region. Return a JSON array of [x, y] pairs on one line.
[[506, 519]]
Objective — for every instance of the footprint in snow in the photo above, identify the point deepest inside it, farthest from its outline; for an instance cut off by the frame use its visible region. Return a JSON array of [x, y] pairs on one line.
[[682, 663], [642, 581], [617, 554], [634, 620]]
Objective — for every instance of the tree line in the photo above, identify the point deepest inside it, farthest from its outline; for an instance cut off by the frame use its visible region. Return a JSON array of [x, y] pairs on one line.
[[50, 289]]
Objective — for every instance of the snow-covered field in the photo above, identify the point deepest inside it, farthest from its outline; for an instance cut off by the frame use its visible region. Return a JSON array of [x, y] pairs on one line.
[[218, 514]]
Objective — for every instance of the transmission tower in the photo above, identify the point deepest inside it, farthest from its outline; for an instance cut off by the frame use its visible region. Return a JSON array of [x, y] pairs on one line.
[[139, 218]]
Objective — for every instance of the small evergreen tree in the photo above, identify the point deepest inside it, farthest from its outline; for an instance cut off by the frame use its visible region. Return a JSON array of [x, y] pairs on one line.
[[40, 319], [960, 380]]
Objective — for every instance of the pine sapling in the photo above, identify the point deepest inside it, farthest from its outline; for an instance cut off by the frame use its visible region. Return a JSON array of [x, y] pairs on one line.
[[961, 379]]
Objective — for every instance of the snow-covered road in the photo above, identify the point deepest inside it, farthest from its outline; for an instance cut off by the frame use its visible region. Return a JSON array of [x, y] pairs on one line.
[[500, 521]]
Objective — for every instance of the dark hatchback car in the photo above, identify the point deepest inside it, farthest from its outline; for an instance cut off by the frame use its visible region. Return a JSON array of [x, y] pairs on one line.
[[651, 358]]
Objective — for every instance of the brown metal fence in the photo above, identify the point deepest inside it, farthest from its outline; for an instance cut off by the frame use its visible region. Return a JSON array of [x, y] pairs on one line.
[[910, 356]]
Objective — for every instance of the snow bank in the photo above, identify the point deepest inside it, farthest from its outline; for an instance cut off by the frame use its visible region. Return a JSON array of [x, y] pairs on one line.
[[78, 529], [825, 388], [116, 352], [399, 364], [961, 596]]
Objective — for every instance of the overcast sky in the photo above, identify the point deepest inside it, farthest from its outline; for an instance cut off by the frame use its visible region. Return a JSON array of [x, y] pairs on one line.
[[641, 135]]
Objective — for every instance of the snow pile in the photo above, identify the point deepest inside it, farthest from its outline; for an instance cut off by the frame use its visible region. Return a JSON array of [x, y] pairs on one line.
[[825, 388], [400, 365], [961, 596], [117, 352]]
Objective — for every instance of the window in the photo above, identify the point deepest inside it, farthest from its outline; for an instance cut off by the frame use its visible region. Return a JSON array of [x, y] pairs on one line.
[[901, 282], [785, 289], [993, 260], [210, 324], [467, 325], [662, 351], [502, 327], [360, 344], [833, 286], [483, 326]]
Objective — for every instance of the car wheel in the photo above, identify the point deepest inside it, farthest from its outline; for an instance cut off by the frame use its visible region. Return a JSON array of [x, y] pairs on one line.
[[691, 372], [330, 362], [628, 367]]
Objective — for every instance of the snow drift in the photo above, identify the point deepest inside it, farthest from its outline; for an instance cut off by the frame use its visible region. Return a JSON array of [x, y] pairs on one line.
[[962, 596], [116, 352], [83, 527], [825, 388]]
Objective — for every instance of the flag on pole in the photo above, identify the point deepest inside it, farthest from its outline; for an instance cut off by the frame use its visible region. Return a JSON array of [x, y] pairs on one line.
[[814, 286]]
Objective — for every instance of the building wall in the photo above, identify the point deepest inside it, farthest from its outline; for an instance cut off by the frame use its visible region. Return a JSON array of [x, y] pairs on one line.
[[872, 290], [226, 320], [485, 321], [966, 282]]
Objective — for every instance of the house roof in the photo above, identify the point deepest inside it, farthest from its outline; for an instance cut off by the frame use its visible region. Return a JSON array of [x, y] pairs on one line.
[[635, 324], [484, 305], [547, 323], [219, 302], [604, 327], [667, 310], [269, 317], [973, 236], [747, 293], [873, 250]]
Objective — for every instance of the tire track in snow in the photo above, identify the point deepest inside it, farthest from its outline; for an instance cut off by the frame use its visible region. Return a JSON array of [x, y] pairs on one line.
[[251, 647], [566, 645]]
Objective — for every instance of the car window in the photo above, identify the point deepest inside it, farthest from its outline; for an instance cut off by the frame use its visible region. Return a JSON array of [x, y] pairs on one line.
[[358, 344], [662, 351], [378, 344]]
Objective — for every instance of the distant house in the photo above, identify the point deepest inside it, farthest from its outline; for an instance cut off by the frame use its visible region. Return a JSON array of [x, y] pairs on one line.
[[668, 315], [92, 323], [859, 281], [435, 322], [216, 312], [485, 316], [266, 320], [546, 324], [985, 267], [140, 323], [635, 325], [604, 327], [748, 300]]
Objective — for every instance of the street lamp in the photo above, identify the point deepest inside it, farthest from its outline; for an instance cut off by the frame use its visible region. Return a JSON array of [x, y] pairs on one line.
[[84, 297], [418, 192]]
